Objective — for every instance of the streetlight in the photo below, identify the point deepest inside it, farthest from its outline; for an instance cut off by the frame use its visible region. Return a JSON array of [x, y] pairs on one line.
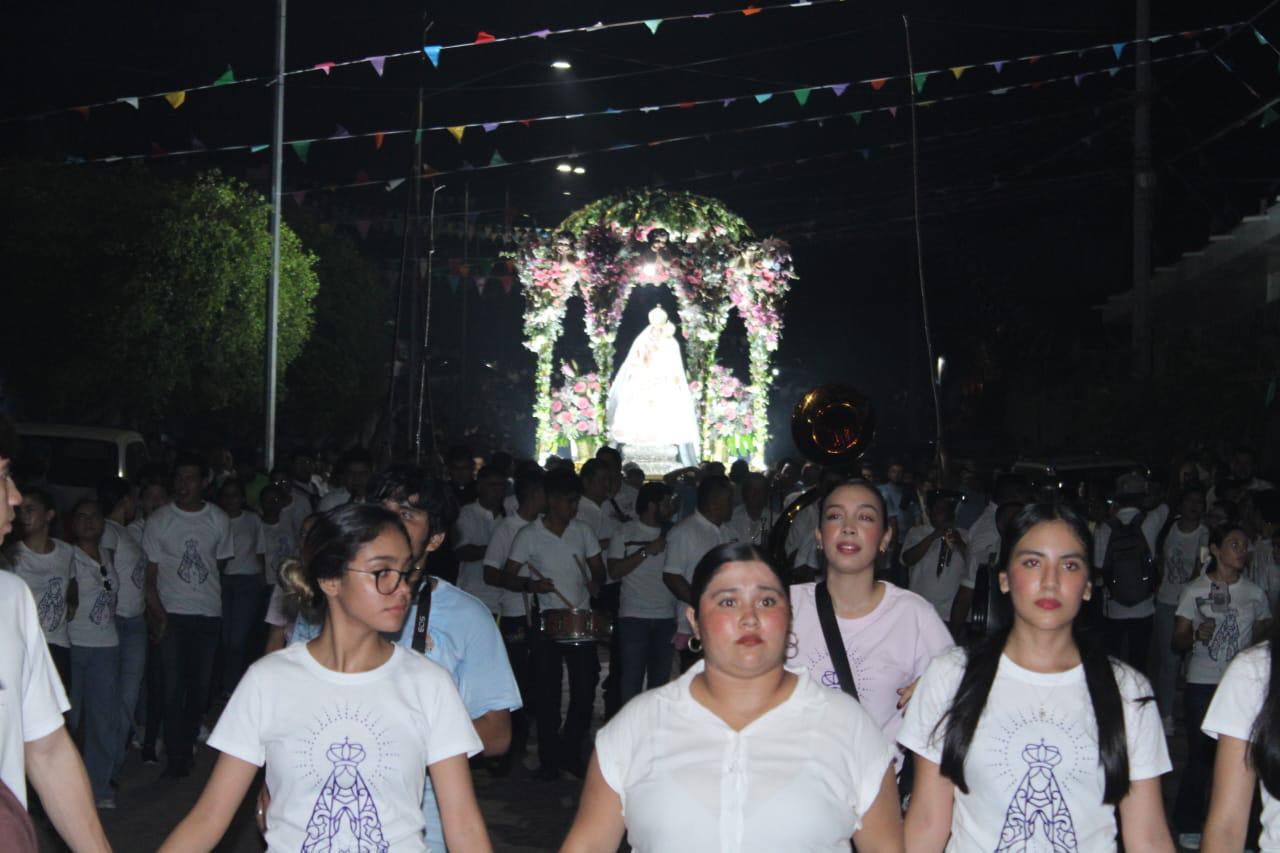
[[564, 167], [561, 65], [942, 363], [578, 170]]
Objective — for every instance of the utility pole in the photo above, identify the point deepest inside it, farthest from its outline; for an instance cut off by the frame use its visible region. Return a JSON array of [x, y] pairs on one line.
[[273, 287], [1143, 188]]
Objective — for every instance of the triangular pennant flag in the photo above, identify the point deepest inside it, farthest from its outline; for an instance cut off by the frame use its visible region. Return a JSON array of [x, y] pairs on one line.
[[1078, 78], [433, 53], [377, 62], [326, 67], [1259, 36], [227, 78], [526, 122], [1269, 116], [393, 183], [760, 99], [1118, 48], [802, 95], [255, 149], [484, 38], [998, 65], [1113, 71], [480, 283], [457, 131], [176, 99], [857, 117], [653, 24], [491, 126], [542, 34], [302, 149], [839, 88], [497, 160], [362, 226], [133, 102], [197, 144], [877, 85], [340, 133], [893, 111], [298, 196], [751, 10], [377, 140], [84, 111], [957, 71], [919, 78], [610, 111], [417, 136]]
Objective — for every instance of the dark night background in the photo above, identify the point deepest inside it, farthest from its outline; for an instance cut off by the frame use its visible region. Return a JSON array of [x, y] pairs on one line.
[[1026, 196]]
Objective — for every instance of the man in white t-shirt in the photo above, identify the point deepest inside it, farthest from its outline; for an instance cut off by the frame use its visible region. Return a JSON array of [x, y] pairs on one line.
[[352, 475], [34, 744], [935, 553], [188, 544], [562, 557], [752, 520], [295, 506], [598, 511], [620, 505], [1241, 470], [1180, 561], [646, 619], [242, 584], [687, 543], [472, 532], [984, 543]]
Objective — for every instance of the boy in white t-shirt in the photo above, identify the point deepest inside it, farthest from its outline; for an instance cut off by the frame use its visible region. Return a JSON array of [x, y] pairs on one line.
[[34, 744], [1183, 543], [95, 653], [242, 584], [472, 532], [935, 554], [188, 545], [45, 564]]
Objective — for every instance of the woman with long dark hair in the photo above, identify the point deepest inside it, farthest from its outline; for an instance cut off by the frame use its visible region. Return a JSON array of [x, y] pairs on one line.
[[1244, 717], [1035, 738], [347, 723], [740, 753]]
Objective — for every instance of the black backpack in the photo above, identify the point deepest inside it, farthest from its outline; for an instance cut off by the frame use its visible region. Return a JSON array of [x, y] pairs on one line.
[[1129, 568]]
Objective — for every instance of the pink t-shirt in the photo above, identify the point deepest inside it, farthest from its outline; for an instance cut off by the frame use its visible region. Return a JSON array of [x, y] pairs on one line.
[[888, 649]]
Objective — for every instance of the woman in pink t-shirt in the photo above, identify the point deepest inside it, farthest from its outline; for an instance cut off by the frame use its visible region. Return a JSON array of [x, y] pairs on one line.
[[889, 634]]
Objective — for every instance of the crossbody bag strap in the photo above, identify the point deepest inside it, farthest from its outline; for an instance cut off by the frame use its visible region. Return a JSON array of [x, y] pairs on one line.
[[422, 617], [835, 644]]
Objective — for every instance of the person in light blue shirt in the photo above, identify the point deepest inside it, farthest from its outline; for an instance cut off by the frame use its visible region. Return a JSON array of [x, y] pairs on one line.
[[462, 635]]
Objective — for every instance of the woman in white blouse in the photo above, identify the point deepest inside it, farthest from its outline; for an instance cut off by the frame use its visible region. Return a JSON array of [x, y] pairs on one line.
[[1035, 738], [740, 754]]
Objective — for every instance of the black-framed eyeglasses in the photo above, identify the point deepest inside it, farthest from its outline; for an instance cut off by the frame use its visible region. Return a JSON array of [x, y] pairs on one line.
[[387, 581]]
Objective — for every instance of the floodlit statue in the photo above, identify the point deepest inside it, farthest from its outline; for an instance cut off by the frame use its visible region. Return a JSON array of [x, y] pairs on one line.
[[649, 401]]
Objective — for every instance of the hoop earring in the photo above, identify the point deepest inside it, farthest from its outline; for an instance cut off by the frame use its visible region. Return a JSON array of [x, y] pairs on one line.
[[692, 641]]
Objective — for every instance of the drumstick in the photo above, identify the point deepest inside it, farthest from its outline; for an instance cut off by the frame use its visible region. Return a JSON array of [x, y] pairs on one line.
[[554, 591]]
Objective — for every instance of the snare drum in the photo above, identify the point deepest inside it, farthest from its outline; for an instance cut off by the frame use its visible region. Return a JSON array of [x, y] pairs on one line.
[[576, 626]]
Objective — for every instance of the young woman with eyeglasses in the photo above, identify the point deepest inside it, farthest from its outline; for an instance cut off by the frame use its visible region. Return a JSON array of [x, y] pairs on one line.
[[346, 723]]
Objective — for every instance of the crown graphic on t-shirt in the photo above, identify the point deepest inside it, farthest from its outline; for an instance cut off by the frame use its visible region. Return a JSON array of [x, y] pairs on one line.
[[346, 754], [1042, 755]]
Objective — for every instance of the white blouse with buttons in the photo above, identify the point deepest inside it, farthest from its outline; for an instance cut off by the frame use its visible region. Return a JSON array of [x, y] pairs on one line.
[[799, 778]]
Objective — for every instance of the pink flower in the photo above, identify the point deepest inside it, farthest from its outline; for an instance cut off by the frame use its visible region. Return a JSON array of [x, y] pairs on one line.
[[582, 403], [579, 387], [589, 411], [565, 418], [556, 405]]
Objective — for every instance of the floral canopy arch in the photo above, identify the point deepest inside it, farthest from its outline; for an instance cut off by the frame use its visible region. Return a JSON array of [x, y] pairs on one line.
[[710, 260]]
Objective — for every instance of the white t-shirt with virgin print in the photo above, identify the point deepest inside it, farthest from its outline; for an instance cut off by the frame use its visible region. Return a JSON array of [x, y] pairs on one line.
[[131, 563], [1034, 779], [345, 753], [99, 584], [1234, 613], [186, 548], [48, 576]]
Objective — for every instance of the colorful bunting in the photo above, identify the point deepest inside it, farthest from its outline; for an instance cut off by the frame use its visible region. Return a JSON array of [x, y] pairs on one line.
[[302, 149], [857, 116], [751, 10], [340, 133], [802, 95], [893, 111], [998, 65], [326, 67], [490, 126], [255, 149], [1259, 36], [433, 53], [484, 38], [393, 183], [497, 160], [919, 78], [760, 99], [1118, 48], [176, 99], [957, 71], [653, 24], [133, 102], [227, 78], [377, 139], [457, 131], [1077, 78], [540, 34], [377, 62], [839, 88], [417, 136], [197, 144]]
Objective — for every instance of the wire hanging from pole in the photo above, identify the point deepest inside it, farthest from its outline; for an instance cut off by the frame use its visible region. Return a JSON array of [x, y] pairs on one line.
[[934, 376], [424, 392]]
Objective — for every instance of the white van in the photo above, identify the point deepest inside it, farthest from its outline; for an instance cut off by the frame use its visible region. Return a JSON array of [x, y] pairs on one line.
[[70, 461]]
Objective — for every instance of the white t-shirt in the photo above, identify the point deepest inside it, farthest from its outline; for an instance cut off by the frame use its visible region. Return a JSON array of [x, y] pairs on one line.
[[594, 517], [250, 544], [1036, 741], [1234, 618], [888, 649], [801, 777], [131, 564], [1181, 560], [32, 700], [296, 513], [1263, 569], [1235, 706], [333, 499], [984, 545], [626, 501], [560, 559], [939, 589], [281, 542], [801, 538], [510, 602], [1152, 523], [475, 526], [345, 752], [644, 595], [687, 543], [95, 623], [186, 547], [48, 576], [747, 529]]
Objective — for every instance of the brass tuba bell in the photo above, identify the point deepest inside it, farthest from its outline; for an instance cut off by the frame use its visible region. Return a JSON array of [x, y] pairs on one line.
[[832, 426]]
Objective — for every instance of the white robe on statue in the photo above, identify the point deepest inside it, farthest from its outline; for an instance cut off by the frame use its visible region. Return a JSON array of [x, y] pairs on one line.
[[649, 400]]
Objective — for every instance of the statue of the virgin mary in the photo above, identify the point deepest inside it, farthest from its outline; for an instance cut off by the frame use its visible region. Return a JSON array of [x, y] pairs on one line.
[[649, 400]]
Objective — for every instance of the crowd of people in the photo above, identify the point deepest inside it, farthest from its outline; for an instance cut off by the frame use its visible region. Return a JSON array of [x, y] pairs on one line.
[[908, 659]]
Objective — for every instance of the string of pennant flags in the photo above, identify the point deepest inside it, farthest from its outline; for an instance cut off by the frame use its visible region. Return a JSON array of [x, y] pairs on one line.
[[302, 147], [177, 98]]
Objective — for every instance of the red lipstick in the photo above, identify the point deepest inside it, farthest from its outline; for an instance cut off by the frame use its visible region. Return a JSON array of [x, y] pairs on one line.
[[1048, 604]]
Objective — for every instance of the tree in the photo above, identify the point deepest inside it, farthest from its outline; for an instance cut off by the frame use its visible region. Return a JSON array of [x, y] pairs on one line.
[[134, 297]]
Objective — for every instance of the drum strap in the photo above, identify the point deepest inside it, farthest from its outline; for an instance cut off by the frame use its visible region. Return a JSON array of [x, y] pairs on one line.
[[422, 617], [835, 644]]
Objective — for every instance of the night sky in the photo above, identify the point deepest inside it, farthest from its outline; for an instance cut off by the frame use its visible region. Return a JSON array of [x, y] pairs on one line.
[[1025, 195]]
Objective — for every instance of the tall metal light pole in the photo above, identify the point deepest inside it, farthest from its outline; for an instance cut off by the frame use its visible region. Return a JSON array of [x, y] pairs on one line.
[[273, 288]]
